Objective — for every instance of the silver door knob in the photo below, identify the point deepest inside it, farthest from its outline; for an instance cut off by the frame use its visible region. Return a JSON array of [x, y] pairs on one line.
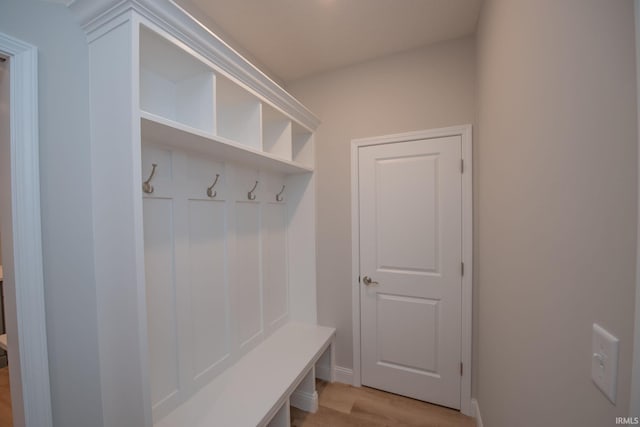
[[368, 281]]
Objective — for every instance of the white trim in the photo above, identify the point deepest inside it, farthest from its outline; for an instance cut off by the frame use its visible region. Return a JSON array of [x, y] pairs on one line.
[[634, 406], [343, 375], [467, 247], [166, 14], [355, 263], [476, 412], [467, 278], [304, 401], [31, 342], [62, 2]]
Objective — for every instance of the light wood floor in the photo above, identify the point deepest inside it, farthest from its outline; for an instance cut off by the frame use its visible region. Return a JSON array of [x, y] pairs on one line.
[[5, 399], [343, 405]]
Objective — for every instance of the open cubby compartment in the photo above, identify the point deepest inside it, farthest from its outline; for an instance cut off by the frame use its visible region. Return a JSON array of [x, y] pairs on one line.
[[276, 132], [238, 114], [174, 84], [282, 418], [302, 152], [305, 397], [323, 368]]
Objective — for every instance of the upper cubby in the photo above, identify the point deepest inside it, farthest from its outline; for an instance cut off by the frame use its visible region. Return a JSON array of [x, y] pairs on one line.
[[188, 101], [174, 85], [276, 132], [303, 150], [238, 114]]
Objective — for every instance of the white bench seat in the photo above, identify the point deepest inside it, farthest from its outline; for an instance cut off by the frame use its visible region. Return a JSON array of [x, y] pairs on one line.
[[251, 392]]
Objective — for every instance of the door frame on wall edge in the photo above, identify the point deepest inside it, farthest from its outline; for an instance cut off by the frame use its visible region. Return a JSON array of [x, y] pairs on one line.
[[28, 338], [465, 132], [634, 405]]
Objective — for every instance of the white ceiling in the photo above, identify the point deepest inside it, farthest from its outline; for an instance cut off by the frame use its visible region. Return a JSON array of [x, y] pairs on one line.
[[291, 39]]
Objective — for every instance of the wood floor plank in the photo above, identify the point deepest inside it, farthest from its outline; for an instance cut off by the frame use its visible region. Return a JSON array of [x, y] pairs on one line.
[[339, 398], [328, 417], [342, 405], [6, 419], [406, 415]]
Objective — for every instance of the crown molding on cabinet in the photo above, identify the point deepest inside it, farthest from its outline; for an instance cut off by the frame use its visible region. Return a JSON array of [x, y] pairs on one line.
[[93, 15], [63, 2]]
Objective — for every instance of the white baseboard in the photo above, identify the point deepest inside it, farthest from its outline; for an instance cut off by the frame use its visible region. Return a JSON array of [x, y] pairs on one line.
[[304, 401], [476, 412], [343, 375]]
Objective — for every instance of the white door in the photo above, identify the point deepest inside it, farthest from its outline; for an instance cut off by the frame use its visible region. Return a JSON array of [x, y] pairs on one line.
[[411, 244]]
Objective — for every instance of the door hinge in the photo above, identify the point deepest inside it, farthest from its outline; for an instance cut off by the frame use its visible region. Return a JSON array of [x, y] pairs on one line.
[[461, 165], [358, 279], [462, 268], [461, 368]]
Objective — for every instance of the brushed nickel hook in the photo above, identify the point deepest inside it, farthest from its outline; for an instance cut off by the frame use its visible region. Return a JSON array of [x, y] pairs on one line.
[[251, 194], [210, 191], [146, 186], [279, 197]]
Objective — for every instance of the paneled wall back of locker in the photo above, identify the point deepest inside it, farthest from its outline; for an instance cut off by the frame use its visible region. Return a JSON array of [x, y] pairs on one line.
[[215, 267]]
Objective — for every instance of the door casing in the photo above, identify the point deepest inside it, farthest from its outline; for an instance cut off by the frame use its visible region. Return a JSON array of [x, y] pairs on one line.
[[25, 316], [465, 132]]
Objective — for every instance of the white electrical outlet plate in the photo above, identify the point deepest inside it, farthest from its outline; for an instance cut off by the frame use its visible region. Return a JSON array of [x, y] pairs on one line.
[[604, 361]]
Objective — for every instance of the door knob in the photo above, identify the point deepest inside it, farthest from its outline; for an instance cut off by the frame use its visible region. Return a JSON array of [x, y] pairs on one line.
[[368, 281]]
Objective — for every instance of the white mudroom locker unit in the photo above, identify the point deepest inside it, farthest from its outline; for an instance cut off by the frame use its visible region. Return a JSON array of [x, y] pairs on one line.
[[204, 193]]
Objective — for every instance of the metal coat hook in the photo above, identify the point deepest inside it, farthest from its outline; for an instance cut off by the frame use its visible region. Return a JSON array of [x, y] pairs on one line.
[[250, 194], [210, 191], [279, 197], [146, 186]]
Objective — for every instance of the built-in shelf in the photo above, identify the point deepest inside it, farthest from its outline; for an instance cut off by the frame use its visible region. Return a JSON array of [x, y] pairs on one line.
[[162, 131], [302, 144], [175, 85], [238, 114], [276, 132], [214, 237], [187, 98]]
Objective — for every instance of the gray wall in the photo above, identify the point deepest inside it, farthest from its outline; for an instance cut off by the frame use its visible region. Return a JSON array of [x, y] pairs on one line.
[[557, 191], [66, 205], [422, 89]]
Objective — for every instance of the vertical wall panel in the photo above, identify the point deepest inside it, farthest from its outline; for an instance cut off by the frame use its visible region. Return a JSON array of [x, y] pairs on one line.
[[160, 295], [274, 264], [209, 293], [248, 304], [163, 176], [217, 268]]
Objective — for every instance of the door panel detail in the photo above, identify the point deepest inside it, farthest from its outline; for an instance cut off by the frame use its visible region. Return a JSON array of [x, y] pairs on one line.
[[406, 195], [395, 346]]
